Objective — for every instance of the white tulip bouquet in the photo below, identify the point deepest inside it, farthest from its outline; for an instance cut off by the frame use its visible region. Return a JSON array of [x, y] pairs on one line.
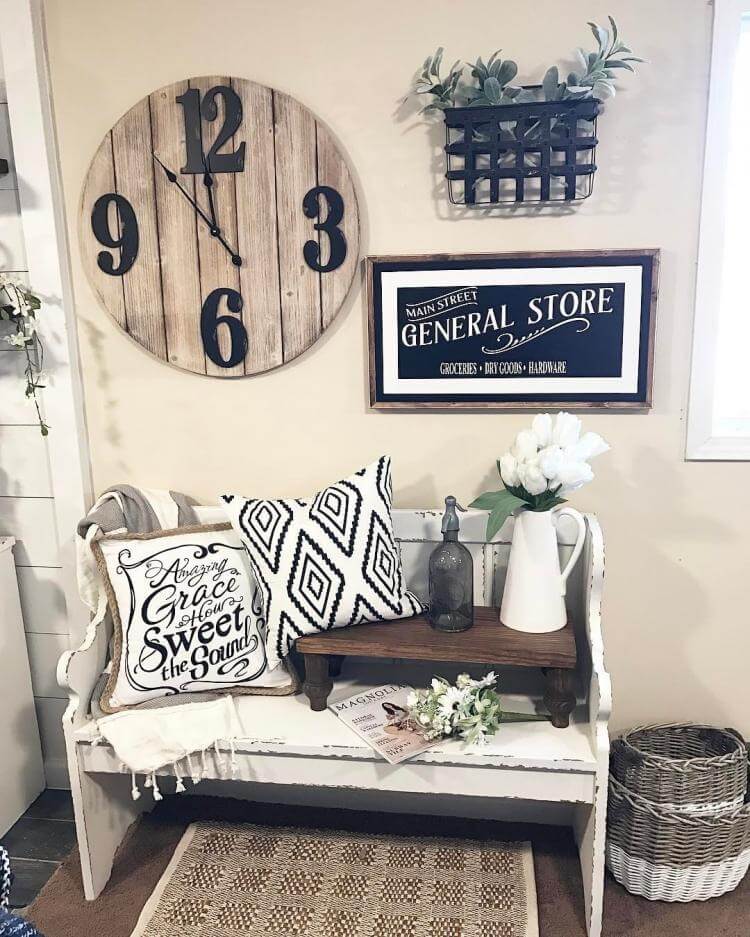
[[470, 710], [545, 462]]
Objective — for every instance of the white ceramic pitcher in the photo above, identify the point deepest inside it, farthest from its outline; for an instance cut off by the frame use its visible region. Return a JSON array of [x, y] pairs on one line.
[[534, 596]]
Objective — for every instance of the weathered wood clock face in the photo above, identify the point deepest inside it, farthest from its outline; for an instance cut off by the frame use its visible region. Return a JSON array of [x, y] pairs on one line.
[[219, 226]]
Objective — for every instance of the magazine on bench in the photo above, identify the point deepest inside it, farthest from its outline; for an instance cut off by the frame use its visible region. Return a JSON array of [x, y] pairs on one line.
[[380, 717]]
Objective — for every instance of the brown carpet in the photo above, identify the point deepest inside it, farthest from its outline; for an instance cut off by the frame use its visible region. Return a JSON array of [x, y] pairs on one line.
[[60, 910]]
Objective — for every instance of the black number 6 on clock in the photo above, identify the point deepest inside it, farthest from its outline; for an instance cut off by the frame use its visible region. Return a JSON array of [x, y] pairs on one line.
[[210, 322]]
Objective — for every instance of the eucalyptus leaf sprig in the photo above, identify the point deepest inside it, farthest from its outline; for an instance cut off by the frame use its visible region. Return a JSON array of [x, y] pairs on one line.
[[19, 306], [429, 81], [598, 69], [491, 81]]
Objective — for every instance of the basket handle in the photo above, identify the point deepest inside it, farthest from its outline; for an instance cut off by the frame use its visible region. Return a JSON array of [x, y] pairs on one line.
[[636, 756], [619, 791]]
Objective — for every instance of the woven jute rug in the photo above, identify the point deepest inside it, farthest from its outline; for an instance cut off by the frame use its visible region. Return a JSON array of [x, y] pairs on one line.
[[227, 880]]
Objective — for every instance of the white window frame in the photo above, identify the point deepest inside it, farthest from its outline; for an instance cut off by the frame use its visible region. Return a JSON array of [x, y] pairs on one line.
[[702, 440]]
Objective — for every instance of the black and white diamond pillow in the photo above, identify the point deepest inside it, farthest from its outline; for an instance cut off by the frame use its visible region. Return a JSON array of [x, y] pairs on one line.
[[325, 562]]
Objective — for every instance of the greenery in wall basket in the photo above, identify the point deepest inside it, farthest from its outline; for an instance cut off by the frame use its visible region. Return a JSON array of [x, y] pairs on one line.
[[18, 307], [491, 82]]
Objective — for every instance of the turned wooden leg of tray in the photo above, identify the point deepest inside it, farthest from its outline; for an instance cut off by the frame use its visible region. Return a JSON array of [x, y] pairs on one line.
[[559, 696], [318, 683]]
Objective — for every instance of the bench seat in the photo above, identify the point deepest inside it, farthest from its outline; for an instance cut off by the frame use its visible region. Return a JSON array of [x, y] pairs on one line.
[[280, 727]]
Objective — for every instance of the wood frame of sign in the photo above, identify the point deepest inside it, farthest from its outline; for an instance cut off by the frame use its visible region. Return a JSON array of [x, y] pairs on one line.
[[572, 329]]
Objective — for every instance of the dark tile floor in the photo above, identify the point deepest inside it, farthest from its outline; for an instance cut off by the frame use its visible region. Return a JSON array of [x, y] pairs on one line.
[[38, 842]]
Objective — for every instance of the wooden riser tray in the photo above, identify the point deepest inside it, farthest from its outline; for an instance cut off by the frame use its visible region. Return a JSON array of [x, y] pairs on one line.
[[487, 642]]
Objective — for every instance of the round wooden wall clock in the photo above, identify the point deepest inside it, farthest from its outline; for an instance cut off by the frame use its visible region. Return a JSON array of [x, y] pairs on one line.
[[219, 226]]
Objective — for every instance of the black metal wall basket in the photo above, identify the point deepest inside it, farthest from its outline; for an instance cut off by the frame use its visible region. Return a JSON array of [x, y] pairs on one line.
[[543, 151]]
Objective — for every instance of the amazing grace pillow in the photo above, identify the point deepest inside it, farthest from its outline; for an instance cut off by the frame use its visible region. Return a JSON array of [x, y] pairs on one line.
[[186, 613], [325, 562]]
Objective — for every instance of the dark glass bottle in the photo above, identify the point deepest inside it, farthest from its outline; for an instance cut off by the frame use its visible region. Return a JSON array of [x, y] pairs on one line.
[[451, 577]]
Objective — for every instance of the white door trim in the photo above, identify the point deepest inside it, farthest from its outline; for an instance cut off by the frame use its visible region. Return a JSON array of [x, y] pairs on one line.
[[22, 39]]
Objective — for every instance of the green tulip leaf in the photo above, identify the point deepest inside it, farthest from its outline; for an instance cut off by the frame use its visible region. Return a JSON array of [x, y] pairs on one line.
[[504, 507], [487, 501]]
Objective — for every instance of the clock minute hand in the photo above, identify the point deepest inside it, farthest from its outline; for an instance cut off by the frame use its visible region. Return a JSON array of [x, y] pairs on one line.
[[236, 259]]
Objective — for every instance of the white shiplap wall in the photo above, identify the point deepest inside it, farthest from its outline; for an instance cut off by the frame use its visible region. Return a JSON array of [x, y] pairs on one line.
[[26, 503]]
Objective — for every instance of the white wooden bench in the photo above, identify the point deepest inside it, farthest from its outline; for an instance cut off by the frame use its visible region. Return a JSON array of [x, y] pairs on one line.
[[529, 771]]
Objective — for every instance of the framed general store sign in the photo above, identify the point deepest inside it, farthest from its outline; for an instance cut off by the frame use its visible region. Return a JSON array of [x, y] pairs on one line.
[[573, 329]]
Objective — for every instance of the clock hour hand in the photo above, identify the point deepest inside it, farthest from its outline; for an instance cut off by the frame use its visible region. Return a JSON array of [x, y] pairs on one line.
[[208, 182], [215, 232]]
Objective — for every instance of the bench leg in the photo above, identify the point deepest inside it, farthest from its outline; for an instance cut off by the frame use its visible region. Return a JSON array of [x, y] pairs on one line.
[[104, 811], [559, 697], [318, 683], [590, 822]]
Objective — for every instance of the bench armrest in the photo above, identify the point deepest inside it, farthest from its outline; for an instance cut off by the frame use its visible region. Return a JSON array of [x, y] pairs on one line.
[[79, 670]]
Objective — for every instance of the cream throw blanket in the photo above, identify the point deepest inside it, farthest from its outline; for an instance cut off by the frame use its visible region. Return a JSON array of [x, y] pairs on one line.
[[178, 736]]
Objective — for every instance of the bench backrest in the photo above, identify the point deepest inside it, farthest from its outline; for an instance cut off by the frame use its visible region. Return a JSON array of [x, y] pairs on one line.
[[418, 532]]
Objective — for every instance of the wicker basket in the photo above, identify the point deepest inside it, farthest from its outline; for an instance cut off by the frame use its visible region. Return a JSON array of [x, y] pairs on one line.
[[692, 769], [668, 856]]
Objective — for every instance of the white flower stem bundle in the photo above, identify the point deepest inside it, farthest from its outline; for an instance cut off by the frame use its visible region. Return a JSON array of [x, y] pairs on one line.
[[470, 710]]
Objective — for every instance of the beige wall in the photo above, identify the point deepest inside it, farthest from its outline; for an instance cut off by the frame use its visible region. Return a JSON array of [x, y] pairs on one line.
[[677, 628]]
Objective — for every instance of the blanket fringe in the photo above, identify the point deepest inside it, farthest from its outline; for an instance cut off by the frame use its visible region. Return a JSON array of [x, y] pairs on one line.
[[196, 773]]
